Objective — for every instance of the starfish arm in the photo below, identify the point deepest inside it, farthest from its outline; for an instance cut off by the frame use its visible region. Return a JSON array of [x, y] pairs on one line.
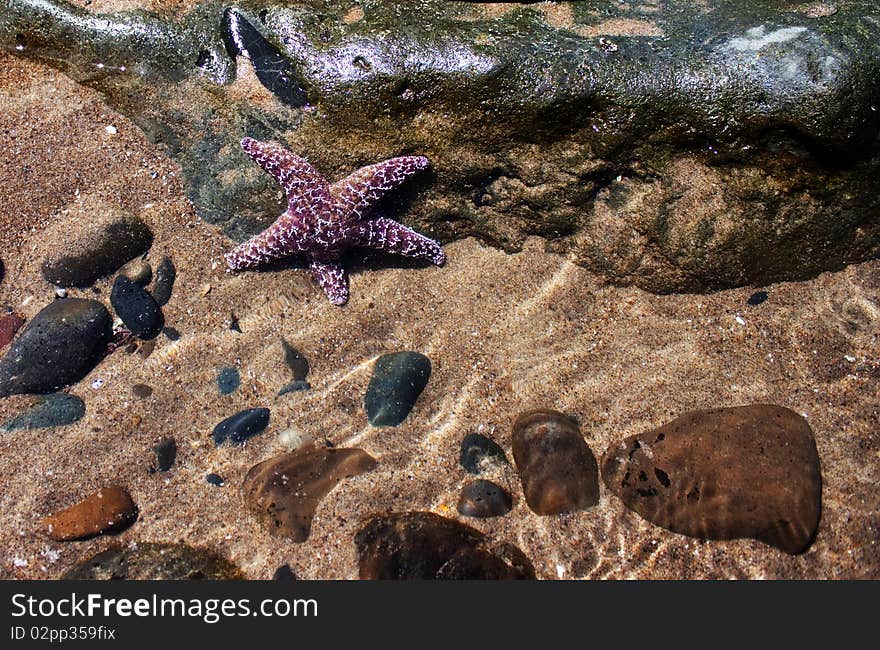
[[387, 235], [359, 191], [295, 175], [284, 237], [333, 280]]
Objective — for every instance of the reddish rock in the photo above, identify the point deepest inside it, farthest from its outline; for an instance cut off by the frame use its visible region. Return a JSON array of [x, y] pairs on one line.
[[749, 471], [9, 325], [109, 510]]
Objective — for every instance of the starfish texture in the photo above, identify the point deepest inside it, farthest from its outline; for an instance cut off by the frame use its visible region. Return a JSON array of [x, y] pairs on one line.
[[322, 221]]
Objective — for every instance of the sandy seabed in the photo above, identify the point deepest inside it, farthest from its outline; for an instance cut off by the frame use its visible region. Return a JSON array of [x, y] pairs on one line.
[[504, 333]]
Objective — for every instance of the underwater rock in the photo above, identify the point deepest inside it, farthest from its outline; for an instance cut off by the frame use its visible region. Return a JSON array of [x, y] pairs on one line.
[[164, 283], [215, 479], [141, 391], [677, 147], [109, 510], [479, 453], [284, 573], [56, 409], [483, 499], [285, 491], [228, 380], [138, 270], [757, 298], [9, 325], [425, 546], [166, 454], [137, 309], [748, 471], [295, 386], [105, 238], [398, 380], [59, 346], [558, 470], [241, 426], [151, 561]]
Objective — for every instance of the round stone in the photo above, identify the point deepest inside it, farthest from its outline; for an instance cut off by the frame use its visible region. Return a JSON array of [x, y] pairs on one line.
[[479, 453], [484, 499]]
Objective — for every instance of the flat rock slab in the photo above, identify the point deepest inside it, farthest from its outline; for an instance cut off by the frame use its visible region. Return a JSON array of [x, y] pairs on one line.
[[285, 491], [748, 471], [678, 146], [54, 410], [59, 346], [556, 466], [152, 561], [425, 546], [109, 510]]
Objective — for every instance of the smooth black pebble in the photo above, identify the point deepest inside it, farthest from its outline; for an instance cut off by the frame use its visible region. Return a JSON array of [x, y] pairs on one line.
[[398, 380], [241, 426], [479, 452], [59, 346], [215, 479], [757, 298], [164, 282], [283, 573], [484, 499], [137, 309]]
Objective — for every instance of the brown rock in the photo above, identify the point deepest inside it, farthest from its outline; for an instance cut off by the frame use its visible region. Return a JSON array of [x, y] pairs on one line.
[[557, 469], [9, 325], [425, 546], [109, 510], [483, 499], [284, 491], [749, 471]]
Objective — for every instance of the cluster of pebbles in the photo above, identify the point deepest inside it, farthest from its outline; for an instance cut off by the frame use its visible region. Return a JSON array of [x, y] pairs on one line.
[[719, 474]]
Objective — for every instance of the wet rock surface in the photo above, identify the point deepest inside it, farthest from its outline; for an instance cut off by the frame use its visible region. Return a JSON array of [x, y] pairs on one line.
[[109, 510], [9, 325], [166, 273], [425, 546], [52, 410], [483, 499], [681, 147], [749, 471], [136, 307], [106, 238], [285, 491], [398, 380], [59, 346], [152, 561], [241, 426], [558, 470], [479, 453]]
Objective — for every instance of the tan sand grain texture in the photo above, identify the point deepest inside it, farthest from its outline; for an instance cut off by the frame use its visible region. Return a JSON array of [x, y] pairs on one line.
[[505, 333]]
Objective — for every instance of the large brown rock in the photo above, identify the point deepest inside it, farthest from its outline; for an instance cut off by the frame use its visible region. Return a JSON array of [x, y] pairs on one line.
[[749, 471], [557, 469], [109, 510], [284, 491], [425, 546]]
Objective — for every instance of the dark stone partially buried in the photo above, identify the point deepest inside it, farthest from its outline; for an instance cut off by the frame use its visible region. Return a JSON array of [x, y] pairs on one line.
[[151, 561], [425, 546], [558, 470], [479, 453], [59, 346], [398, 380], [749, 471], [163, 285], [241, 426], [483, 499], [56, 409], [285, 491], [166, 454], [137, 309]]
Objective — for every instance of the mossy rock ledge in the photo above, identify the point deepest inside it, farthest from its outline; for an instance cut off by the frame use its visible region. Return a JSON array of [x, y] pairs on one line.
[[672, 144]]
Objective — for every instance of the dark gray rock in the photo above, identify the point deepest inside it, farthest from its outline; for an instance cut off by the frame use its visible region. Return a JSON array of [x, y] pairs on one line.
[[137, 309], [166, 454], [479, 453], [680, 146], [166, 273], [398, 380], [105, 238], [52, 410], [295, 386], [228, 379], [151, 561], [59, 346], [241, 426], [483, 499]]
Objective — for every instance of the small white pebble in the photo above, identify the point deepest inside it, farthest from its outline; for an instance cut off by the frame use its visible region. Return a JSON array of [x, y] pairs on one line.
[[560, 571], [97, 383], [849, 358], [61, 292], [19, 562], [111, 130], [740, 320]]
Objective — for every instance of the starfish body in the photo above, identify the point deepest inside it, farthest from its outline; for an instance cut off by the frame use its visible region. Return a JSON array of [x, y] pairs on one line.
[[322, 220]]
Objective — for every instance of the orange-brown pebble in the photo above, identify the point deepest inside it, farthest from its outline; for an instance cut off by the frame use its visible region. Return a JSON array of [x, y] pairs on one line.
[[9, 325], [109, 510]]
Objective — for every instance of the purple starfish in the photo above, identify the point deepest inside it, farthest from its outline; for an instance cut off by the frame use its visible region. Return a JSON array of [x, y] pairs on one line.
[[322, 221]]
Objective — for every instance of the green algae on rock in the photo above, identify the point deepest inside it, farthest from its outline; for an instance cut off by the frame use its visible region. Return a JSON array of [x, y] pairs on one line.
[[685, 147]]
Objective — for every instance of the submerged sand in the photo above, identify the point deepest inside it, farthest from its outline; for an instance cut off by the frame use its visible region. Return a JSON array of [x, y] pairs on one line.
[[504, 333]]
